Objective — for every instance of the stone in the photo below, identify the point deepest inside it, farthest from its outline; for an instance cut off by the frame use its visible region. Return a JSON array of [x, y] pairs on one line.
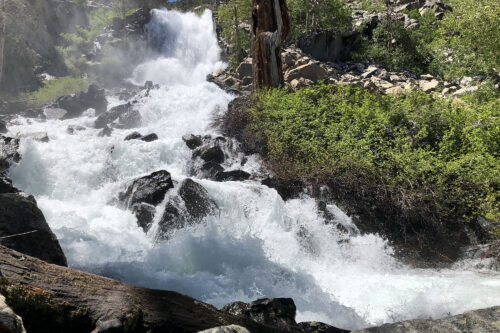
[[210, 170], [234, 175], [9, 152], [106, 131], [54, 113], [275, 312], [312, 71], [287, 189], [9, 321], [75, 104], [192, 141], [484, 320], [149, 137], [150, 189], [396, 90], [20, 214], [196, 199], [465, 90], [212, 154], [226, 329], [317, 327], [129, 119], [245, 69], [37, 136], [428, 86], [108, 117], [371, 70], [145, 214], [72, 128], [3, 127], [6, 185], [133, 136], [300, 83]]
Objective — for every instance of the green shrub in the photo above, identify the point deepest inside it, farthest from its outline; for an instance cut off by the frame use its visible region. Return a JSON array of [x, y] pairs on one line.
[[409, 149], [54, 89]]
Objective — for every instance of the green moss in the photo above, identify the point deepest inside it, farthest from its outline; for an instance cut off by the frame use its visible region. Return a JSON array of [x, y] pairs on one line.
[[414, 151], [41, 313]]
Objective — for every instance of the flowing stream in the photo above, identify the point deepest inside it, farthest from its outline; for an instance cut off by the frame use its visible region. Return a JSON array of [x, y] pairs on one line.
[[259, 246]]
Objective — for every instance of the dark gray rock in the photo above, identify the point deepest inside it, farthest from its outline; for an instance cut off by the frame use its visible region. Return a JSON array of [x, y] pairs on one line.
[[145, 214], [129, 119], [20, 214], [210, 169], [326, 45], [149, 137], [196, 199], [133, 136], [233, 175], [73, 128], [133, 25], [111, 115], [106, 131], [212, 154], [75, 104], [3, 127], [317, 327], [150, 189], [8, 152], [189, 208], [192, 141], [478, 321], [274, 312], [287, 189], [6, 185]]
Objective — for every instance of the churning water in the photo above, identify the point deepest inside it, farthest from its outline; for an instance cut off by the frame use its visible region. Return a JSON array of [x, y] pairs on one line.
[[259, 246]]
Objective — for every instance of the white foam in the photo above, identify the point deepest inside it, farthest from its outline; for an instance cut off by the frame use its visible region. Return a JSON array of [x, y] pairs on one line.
[[259, 246]]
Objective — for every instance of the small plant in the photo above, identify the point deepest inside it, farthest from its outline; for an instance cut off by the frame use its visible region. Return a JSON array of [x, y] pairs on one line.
[[54, 89]]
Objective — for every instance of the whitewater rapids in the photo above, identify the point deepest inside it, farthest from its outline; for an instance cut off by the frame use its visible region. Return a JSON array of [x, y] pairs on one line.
[[256, 247]]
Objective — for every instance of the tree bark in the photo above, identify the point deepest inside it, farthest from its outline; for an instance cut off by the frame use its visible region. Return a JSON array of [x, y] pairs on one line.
[[53, 298], [270, 27]]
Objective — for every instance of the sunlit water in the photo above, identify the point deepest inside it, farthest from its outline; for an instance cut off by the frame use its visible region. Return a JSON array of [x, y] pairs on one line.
[[259, 245]]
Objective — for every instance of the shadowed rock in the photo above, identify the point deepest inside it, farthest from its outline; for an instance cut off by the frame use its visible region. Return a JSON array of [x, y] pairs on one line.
[[149, 189]]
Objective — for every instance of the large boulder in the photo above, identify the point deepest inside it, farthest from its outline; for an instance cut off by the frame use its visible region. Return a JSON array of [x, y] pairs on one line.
[[191, 206], [212, 154], [3, 127], [312, 71], [110, 116], [318, 327], [20, 214], [275, 312], [8, 152], [9, 321], [325, 45], [150, 189], [233, 175], [6, 185], [192, 141], [133, 25], [75, 104]]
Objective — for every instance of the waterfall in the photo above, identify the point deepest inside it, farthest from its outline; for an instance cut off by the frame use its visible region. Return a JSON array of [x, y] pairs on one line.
[[258, 246]]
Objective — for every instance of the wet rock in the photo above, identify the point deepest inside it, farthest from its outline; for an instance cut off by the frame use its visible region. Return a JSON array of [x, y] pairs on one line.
[[150, 189], [20, 214], [133, 25], [145, 214], [226, 329], [9, 321], [317, 327], [108, 117], [210, 169], [6, 185], [196, 199], [133, 136], [106, 131], [274, 312], [129, 119], [149, 137], [8, 152], [73, 128], [212, 154], [233, 175], [484, 320], [192, 141], [37, 136], [75, 104], [3, 127], [54, 113], [287, 189]]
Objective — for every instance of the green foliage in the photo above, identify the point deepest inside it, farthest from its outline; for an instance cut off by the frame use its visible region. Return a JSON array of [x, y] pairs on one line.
[[399, 48], [54, 89], [471, 33], [409, 149], [306, 15], [230, 16]]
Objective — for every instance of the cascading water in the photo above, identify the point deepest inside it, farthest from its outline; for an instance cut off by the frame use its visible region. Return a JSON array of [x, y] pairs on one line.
[[259, 246]]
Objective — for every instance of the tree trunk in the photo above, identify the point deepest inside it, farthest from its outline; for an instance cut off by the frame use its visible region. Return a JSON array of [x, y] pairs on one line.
[[270, 26], [53, 298]]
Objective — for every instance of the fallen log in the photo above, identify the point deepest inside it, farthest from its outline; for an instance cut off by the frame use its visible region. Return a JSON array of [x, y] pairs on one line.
[[53, 298]]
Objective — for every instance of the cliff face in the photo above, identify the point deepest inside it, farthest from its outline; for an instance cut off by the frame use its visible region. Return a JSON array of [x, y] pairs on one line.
[[31, 31]]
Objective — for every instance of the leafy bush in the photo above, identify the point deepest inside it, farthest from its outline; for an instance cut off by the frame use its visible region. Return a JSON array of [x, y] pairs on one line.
[[54, 89], [414, 151], [230, 16]]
